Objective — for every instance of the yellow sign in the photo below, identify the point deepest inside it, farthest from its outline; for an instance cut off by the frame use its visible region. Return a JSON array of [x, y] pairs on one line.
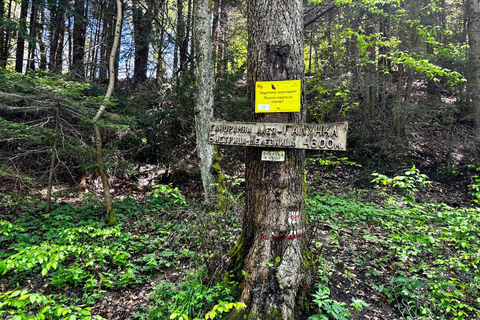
[[277, 96]]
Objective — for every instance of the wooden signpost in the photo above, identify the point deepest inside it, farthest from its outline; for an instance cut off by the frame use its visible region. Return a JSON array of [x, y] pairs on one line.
[[326, 136], [275, 220]]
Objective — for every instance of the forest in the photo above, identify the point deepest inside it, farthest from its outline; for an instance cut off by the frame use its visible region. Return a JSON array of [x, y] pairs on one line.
[[113, 205]]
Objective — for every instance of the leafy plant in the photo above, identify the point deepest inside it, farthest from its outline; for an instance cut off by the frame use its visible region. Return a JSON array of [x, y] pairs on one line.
[[164, 195], [475, 185], [328, 307], [22, 304], [218, 309], [432, 251], [408, 183], [187, 299]]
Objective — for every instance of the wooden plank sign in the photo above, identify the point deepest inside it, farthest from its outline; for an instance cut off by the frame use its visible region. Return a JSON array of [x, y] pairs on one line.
[[311, 136]]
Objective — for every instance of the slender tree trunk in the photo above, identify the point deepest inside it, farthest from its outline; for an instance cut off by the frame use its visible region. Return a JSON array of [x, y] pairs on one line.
[[215, 29], [186, 38], [222, 48], [179, 38], [370, 81], [61, 36], [105, 48], [21, 35], [112, 219], [160, 32], [95, 51], [32, 35], [275, 191], [54, 35], [52, 163], [204, 95], [473, 83], [43, 54], [2, 31], [6, 43]]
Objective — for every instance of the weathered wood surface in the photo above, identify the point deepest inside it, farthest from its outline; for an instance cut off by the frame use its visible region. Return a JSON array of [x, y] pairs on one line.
[[327, 136]]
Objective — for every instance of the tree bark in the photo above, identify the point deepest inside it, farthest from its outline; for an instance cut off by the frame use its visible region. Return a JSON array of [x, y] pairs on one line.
[[204, 95], [272, 244], [21, 35], [43, 53], [57, 30], [142, 28], [6, 42], [112, 219], [180, 34], [79, 38], [52, 163], [2, 31], [32, 35], [473, 83]]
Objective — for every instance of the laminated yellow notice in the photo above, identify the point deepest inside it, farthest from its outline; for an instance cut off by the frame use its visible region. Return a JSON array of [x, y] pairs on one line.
[[277, 96]]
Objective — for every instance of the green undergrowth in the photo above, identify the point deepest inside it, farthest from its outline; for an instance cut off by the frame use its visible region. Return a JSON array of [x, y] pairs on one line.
[[70, 259], [423, 258], [60, 265]]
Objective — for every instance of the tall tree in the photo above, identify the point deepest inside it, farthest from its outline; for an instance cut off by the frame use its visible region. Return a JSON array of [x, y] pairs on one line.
[[204, 94], [274, 190], [21, 35], [473, 12]]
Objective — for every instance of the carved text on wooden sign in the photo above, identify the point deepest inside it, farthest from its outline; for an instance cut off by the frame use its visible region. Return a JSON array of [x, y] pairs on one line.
[[312, 136]]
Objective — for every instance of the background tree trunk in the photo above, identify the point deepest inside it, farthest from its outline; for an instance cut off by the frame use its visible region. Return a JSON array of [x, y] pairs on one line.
[[43, 53], [473, 83], [142, 23], [2, 31], [79, 38], [21, 35], [204, 94], [53, 158], [32, 42], [275, 191], [6, 41]]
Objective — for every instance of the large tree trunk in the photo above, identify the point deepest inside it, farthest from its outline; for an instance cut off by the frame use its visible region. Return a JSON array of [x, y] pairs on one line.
[[204, 94], [275, 191], [21, 35], [473, 83]]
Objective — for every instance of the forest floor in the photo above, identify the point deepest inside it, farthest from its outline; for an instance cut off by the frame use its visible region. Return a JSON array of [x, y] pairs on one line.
[[377, 255]]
